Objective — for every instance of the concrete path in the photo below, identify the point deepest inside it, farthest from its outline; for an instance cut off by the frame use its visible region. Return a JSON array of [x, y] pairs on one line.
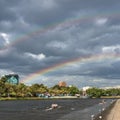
[[115, 112]]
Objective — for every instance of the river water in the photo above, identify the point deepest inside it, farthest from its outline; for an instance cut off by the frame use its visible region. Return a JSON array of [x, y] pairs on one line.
[[69, 109]]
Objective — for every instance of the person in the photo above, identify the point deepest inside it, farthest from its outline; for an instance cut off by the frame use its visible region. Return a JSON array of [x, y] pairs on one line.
[[53, 106]]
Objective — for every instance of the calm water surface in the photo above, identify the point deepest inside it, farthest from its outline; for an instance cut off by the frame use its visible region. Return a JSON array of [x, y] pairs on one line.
[[70, 109]]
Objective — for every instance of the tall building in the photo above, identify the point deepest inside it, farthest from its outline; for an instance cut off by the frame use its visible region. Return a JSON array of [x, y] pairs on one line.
[[12, 79], [62, 84]]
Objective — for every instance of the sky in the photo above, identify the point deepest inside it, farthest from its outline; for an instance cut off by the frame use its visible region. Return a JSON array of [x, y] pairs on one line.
[[67, 39]]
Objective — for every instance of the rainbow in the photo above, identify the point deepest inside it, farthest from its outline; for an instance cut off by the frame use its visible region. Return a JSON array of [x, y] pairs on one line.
[[62, 24], [87, 59]]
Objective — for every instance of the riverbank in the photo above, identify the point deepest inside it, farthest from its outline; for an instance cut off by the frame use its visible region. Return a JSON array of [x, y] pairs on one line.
[[19, 98], [114, 113], [106, 114]]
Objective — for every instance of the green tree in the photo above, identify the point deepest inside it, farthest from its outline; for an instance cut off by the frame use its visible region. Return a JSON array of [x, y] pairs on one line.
[[94, 92], [73, 90], [20, 90], [38, 89], [3, 79], [8, 89], [2, 88]]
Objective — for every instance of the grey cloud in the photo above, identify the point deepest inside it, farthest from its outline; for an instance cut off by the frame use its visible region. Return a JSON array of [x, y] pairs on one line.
[[61, 30], [7, 13]]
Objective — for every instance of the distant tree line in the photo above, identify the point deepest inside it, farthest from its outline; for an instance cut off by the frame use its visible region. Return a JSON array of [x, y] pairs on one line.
[[97, 92], [22, 90], [35, 90]]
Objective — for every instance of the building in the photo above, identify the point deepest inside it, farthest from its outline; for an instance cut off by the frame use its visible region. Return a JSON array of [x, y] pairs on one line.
[[62, 84], [84, 89], [12, 79]]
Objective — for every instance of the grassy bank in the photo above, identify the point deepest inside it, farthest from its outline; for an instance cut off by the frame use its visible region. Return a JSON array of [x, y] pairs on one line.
[[36, 98], [117, 97], [19, 98]]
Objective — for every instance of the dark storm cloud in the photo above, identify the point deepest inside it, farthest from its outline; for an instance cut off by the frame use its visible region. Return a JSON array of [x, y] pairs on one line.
[[50, 32], [49, 12], [7, 12]]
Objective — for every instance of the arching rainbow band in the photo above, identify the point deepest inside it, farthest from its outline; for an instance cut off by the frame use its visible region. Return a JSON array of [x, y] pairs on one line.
[[94, 58], [62, 24]]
